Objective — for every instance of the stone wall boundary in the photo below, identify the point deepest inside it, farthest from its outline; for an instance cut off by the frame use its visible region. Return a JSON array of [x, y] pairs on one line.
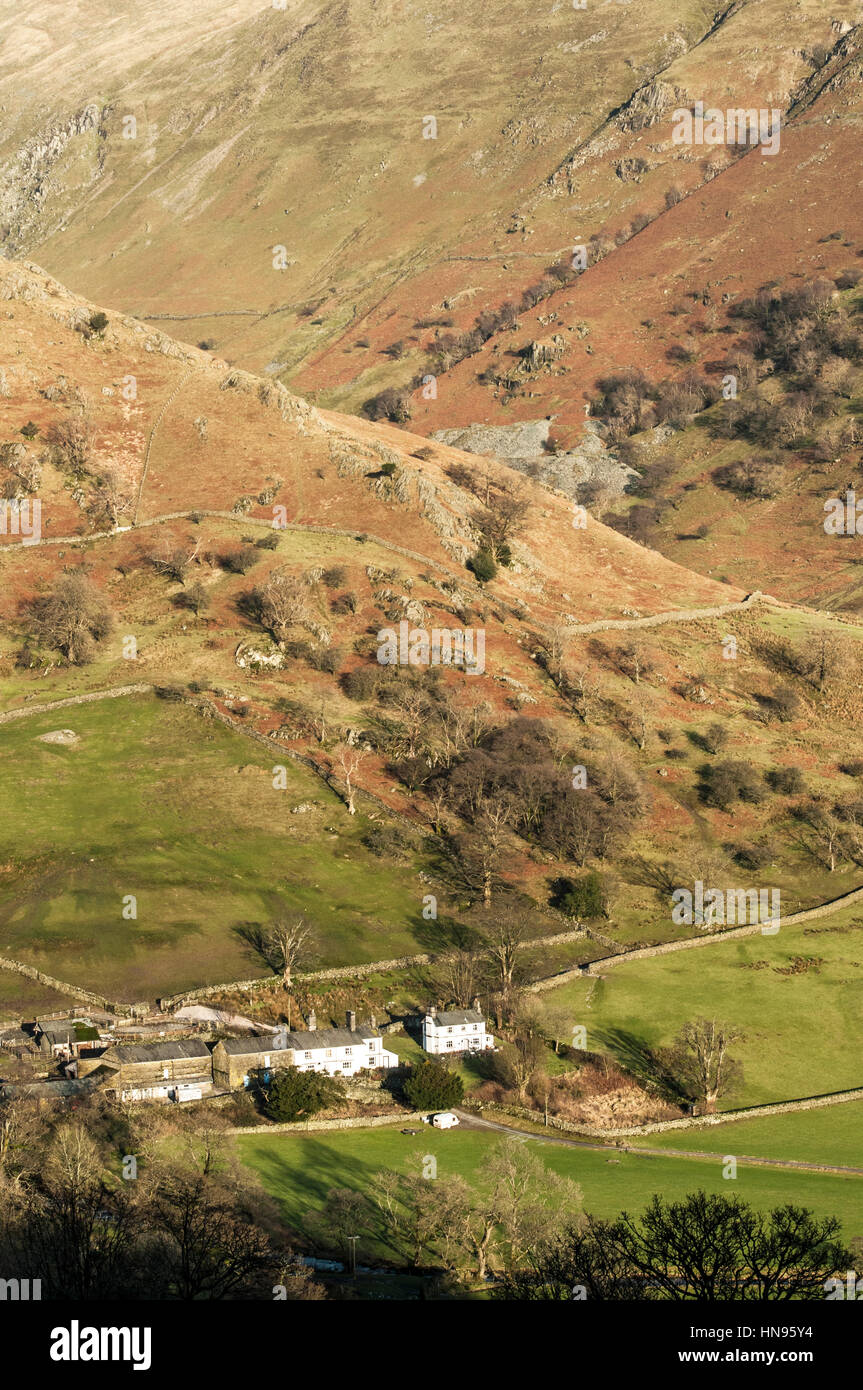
[[809, 914], [687, 1122], [312, 1126]]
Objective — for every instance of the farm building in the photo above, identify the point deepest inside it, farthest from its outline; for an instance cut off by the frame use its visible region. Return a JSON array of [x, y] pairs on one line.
[[57, 1038], [63, 1038], [339, 1051], [163, 1070], [456, 1030], [235, 1059]]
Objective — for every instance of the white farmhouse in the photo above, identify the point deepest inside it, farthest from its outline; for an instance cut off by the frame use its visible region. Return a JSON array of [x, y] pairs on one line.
[[339, 1051], [457, 1030]]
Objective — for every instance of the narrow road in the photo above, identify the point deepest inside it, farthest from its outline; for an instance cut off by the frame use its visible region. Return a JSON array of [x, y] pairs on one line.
[[476, 1122]]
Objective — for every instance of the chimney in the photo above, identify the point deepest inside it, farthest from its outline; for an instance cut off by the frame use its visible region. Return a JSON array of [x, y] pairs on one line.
[[475, 1005], [351, 1021], [373, 1023], [433, 1011], [313, 1022]]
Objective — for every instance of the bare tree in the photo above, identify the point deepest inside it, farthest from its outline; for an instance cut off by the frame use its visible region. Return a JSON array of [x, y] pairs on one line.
[[521, 1208], [502, 517], [289, 944], [634, 661], [458, 971], [114, 494], [635, 722], [828, 834], [197, 598], [173, 558], [209, 1249], [71, 443], [502, 940], [283, 602], [699, 1060], [349, 760], [824, 656], [73, 618]]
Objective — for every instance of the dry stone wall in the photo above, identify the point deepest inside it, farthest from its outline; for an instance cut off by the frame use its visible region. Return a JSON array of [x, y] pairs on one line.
[[686, 1122]]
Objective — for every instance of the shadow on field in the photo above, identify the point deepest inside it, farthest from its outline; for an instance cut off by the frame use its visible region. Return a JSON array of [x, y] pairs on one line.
[[649, 1067], [303, 1189]]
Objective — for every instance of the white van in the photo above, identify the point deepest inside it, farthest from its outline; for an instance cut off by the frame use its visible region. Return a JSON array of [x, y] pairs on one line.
[[445, 1119]]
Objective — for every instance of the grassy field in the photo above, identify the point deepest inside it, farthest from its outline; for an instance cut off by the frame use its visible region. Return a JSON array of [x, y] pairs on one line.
[[181, 813], [298, 1170], [798, 1027], [831, 1135], [23, 998]]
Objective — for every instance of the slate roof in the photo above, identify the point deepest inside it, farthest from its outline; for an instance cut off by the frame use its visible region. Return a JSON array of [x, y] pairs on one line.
[[159, 1052], [251, 1047], [330, 1037], [307, 1041], [454, 1017], [58, 1031]]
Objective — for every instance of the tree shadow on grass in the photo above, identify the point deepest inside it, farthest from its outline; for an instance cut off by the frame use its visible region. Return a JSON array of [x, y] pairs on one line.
[[301, 1187], [253, 937], [443, 934], [646, 1064]]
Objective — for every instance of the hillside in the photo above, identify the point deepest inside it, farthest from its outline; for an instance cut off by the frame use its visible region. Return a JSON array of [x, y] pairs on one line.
[[596, 651], [430, 217]]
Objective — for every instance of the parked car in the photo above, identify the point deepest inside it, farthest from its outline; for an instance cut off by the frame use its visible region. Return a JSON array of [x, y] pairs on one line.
[[444, 1119]]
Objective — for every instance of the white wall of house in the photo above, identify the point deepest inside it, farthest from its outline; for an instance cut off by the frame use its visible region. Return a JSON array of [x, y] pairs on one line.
[[440, 1039], [345, 1061], [457, 1037]]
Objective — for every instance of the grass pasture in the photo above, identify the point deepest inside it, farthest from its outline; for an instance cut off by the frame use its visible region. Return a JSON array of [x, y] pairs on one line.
[[180, 812], [799, 1028], [831, 1135], [298, 1170]]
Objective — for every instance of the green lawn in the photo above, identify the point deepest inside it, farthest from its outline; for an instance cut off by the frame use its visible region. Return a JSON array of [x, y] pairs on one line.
[[831, 1135], [800, 1030], [298, 1170], [180, 812]]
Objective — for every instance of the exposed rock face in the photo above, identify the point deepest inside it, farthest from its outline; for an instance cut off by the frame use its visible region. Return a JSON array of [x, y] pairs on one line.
[[260, 652], [522, 447], [545, 350], [507, 442], [66, 738], [34, 180], [648, 105]]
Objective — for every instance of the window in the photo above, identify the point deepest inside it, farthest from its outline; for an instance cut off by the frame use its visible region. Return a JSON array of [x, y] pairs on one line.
[[449, 1030], [329, 1052], [266, 1059], [308, 1056], [449, 1044], [348, 1051], [372, 1043], [166, 1073], [475, 1027], [347, 1065]]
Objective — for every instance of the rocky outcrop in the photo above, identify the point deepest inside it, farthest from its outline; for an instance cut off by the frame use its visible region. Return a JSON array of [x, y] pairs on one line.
[[32, 191], [524, 447]]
